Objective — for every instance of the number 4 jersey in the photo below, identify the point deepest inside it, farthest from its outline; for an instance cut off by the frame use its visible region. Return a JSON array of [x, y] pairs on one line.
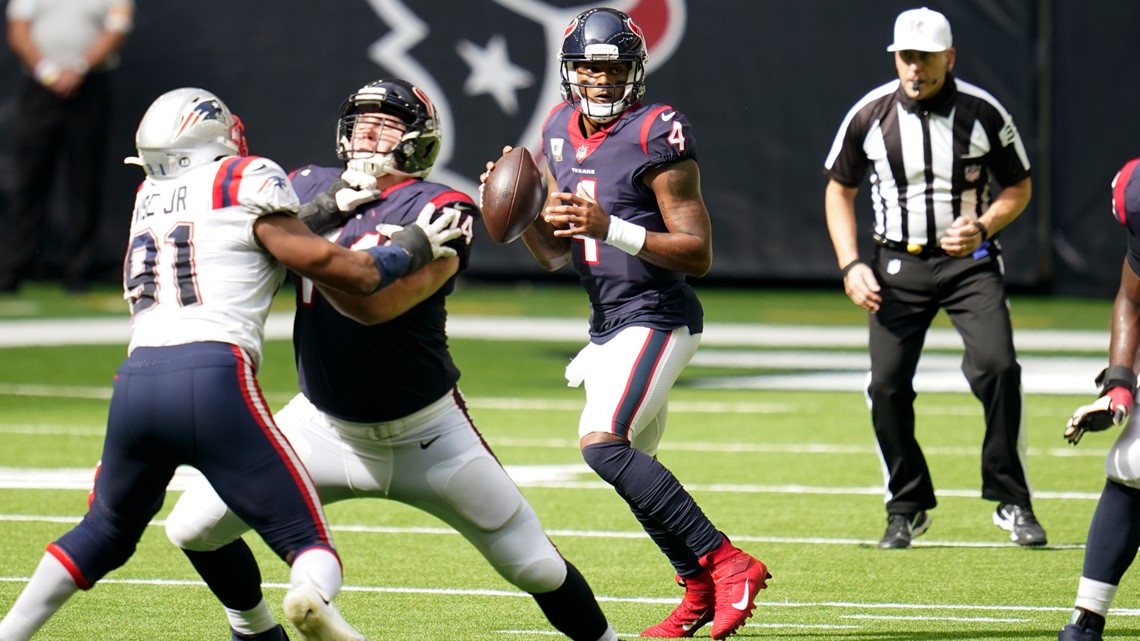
[[609, 167], [194, 271]]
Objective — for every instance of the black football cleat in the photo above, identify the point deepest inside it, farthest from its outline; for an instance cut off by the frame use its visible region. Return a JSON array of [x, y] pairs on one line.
[[1021, 524], [901, 528]]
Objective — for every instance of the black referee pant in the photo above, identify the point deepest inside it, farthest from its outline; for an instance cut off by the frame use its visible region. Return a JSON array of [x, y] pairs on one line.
[[51, 131], [972, 292]]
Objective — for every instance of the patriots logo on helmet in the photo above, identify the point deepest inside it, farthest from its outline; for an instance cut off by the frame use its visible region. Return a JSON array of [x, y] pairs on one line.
[[507, 73], [205, 110]]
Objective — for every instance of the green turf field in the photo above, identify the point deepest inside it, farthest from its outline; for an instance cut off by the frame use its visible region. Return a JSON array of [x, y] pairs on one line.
[[792, 477]]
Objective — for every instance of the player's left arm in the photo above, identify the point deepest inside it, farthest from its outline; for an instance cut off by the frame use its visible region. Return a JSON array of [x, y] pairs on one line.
[[687, 245], [403, 294]]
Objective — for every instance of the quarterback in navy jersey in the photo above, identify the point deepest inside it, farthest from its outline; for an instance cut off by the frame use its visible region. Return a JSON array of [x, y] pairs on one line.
[[1114, 534], [624, 206], [379, 414]]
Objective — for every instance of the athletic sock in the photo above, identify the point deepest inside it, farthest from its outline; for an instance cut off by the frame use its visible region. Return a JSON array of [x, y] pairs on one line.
[[573, 610], [650, 487]]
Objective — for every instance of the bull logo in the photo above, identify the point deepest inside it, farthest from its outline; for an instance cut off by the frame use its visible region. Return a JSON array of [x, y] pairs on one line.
[[494, 81]]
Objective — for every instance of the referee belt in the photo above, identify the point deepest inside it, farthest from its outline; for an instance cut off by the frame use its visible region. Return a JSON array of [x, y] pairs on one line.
[[914, 249]]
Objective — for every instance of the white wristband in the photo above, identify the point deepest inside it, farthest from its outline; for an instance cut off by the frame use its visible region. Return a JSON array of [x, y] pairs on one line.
[[46, 72], [626, 236]]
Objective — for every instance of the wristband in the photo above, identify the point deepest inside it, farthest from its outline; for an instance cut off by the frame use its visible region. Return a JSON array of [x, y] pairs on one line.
[[626, 236], [392, 262], [46, 72], [982, 228], [1116, 376], [849, 266]]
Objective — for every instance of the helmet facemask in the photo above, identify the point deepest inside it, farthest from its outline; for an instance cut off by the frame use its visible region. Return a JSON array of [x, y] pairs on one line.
[[623, 95]]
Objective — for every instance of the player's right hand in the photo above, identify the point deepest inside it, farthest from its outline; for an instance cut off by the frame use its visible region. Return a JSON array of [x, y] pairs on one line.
[[1111, 409], [487, 171], [862, 287]]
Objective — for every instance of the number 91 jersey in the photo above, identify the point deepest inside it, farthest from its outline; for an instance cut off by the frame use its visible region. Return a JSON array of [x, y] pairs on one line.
[[194, 271], [609, 167]]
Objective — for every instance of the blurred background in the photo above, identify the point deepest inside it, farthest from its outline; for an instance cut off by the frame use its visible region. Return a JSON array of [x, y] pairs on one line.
[[766, 84]]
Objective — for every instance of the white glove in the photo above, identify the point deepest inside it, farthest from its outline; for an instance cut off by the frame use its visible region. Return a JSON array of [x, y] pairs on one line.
[[424, 241], [442, 230], [348, 199], [1111, 409], [358, 179]]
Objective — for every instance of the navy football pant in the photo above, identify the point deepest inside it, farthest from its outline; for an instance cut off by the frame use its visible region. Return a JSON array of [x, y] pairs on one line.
[[199, 405]]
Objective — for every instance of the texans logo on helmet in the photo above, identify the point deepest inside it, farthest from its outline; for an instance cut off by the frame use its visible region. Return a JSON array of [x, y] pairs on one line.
[[485, 92]]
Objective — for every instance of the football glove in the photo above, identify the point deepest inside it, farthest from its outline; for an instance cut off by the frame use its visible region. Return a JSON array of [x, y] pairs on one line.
[[1112, 408], [424, 241], [332, 207]]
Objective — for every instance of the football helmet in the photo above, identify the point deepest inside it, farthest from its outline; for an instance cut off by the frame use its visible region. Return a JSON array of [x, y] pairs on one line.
[[603, 35], [416, 151], [183, 129]]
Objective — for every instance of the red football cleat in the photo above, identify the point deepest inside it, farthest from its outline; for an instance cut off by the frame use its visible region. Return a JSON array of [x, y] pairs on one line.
[[695, 611], [737, 578]]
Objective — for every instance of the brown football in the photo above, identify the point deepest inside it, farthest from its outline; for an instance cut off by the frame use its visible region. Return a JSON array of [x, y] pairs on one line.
[[512, 196]]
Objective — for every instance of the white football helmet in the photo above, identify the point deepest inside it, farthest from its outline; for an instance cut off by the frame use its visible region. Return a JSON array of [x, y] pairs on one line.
[[183, 129]]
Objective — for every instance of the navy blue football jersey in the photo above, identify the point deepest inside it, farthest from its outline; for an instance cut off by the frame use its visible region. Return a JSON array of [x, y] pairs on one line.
[[371, 374], [608, 167]]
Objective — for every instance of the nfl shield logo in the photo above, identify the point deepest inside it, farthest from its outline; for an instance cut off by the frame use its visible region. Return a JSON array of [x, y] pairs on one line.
[[972, 173], [581, 152]]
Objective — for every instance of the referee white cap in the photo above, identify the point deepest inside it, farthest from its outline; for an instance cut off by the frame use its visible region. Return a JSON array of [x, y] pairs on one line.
[[921, 30]]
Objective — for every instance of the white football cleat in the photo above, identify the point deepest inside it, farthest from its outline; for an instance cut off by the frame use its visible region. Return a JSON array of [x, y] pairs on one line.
[[316, 619]]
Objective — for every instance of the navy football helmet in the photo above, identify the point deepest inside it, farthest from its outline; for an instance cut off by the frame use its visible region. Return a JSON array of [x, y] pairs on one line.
[[603, 35], [416, 152]]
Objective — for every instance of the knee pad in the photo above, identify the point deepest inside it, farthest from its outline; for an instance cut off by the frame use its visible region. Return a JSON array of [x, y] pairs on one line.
[[478, 488], [1122, 464], [201, 522], [541, 575]]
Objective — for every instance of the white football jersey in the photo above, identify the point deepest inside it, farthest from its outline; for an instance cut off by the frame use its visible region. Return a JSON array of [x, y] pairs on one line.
[[194, 270]]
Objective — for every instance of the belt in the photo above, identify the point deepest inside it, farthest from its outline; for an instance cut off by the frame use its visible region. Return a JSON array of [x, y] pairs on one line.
[[914, 249]]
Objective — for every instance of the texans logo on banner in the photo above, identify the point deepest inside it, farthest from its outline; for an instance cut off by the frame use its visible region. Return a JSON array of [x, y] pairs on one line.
[[495, 77]]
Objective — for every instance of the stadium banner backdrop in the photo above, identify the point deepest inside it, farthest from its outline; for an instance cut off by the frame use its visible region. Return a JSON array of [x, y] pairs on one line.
[[765, 84]]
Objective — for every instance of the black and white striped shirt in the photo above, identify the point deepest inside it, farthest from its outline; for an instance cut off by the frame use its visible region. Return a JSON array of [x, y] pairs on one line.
[[930, 161]]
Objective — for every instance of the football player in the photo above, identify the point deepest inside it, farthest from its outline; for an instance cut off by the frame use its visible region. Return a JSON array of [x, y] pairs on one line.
[[379, 414], [210, 238], [624, 205], [1114, 534]]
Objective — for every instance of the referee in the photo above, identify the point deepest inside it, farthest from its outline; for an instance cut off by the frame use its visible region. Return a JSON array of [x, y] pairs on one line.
[[932, 144]]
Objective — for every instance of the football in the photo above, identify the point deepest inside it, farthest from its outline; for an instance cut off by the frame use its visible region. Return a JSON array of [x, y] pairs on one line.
[[512, 196]]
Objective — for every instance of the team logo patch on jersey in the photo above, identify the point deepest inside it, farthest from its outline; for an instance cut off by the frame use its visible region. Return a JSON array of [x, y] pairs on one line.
[[507, 72]]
